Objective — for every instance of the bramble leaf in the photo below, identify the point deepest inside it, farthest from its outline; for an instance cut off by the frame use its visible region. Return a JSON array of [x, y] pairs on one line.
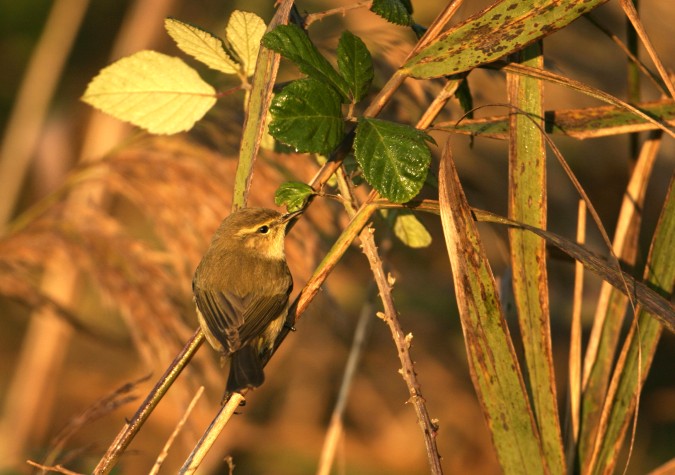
[[244, 32], [355, 64], [202, 45], [293, 194], [154, 91], [307, 115], [394, 157], [394, 11], [293, 43], [411, 231]]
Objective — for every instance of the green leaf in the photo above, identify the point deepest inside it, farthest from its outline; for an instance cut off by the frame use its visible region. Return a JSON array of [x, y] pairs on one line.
[[293, 194], [463, 95], [154, 91], [411, 231], [394, 157], [202, 45], [244, 32], [355, 64], [293, 43], [307, 115], [505, 27], [394, 11]]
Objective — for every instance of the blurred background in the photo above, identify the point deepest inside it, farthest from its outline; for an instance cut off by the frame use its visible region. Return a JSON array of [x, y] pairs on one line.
[[104, 225]]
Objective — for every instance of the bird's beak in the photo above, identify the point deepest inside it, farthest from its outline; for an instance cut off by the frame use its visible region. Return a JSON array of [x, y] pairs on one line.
[[289, 218]]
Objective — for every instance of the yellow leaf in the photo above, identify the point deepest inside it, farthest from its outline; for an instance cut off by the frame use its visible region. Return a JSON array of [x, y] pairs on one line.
[[201, 45], [244, 32], [154, 91], [409, 230]]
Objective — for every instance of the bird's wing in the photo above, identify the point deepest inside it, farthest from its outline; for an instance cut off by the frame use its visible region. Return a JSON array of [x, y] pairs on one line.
[[223, 313], [261, 313], [235, 320]]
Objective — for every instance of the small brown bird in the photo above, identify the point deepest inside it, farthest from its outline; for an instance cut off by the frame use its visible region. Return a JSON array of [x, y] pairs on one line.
[[241, 290]]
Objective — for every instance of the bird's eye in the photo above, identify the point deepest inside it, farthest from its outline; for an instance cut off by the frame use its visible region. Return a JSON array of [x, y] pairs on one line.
[[263, 229]]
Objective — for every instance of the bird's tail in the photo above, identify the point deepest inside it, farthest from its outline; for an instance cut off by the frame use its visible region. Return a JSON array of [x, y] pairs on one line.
[[245, 370]]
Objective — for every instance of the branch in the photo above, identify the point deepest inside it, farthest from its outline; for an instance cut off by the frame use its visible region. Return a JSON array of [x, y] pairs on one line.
[[211, 434], [130, 430]]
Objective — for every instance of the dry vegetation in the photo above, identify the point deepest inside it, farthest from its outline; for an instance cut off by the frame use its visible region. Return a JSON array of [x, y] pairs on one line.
[[110, 250]]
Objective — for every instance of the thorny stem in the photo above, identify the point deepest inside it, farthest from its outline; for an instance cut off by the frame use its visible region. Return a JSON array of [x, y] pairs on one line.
[[402, 342], [390, 317]]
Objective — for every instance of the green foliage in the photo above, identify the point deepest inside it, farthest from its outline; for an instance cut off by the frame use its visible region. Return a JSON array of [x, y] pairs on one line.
[[293, 194], [394, 11], [394, 157], [293, 43], [307, 116], [463, 95], [355, 65]]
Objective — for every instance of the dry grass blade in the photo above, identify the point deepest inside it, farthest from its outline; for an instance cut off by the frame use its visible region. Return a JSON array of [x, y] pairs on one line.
[[632, 14], [667, 468], [585, 123], [627, 51], [97, 410], [572, 418], [641, 293], [53, 468], [129, 431], [492, 360], [612, 303], [313, 17], [336, 425], [209, 437], [165, 450], [528, 204], [583, 88], [502, 28], [639, 348]]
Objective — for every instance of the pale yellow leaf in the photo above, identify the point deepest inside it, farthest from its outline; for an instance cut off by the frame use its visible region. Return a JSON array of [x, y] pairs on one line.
[[154, 91], [409, 230], [201, 45], [244, 32]]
